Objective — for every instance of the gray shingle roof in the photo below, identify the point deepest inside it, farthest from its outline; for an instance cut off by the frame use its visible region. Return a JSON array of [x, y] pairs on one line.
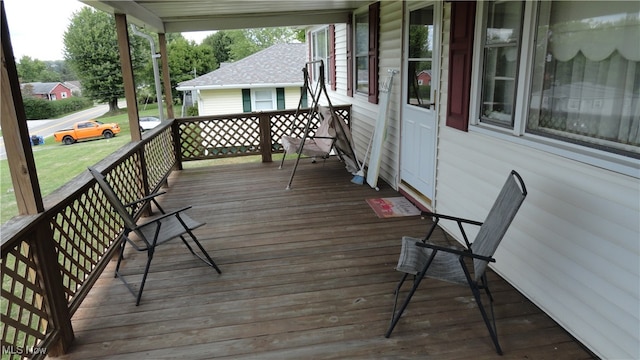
[[40, 87], [278, 64]]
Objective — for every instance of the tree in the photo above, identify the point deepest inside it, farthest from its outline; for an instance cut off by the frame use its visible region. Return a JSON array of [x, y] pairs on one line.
[[187, 60], [32, 70], [233, 45], [61, 67], [220, 44], [91, 49]]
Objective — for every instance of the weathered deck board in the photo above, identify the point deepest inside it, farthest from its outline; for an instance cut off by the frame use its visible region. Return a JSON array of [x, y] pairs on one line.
[[307, 273]]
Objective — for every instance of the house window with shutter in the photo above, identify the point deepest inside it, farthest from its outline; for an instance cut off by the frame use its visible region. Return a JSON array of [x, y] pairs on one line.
[[563, 76], [320, 51], [262, 99], [365, 51]]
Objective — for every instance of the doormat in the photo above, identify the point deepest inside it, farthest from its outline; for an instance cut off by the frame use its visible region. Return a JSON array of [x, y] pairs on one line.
[[393, 207]]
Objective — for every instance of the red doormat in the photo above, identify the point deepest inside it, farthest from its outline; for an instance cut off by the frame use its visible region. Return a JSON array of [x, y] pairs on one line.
[[393, 207]]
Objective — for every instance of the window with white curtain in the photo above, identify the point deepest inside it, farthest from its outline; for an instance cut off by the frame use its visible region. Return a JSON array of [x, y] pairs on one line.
[[577, 79], [586, 77]]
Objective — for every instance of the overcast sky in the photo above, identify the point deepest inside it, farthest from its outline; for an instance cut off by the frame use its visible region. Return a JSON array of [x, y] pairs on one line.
[[36, 27]]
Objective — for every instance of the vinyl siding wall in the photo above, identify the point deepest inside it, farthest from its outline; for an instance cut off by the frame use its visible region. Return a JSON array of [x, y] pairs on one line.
[[229, 101], [363, 113], [574, 247], [218, 102]]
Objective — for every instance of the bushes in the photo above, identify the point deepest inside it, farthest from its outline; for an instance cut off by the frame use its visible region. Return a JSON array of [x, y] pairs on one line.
[[36, 108], [192, 110]]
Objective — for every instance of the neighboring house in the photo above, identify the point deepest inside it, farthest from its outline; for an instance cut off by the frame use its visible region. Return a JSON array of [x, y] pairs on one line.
[[76, 88], [574, 247], [267, 80], [424, 78], [49, 91]]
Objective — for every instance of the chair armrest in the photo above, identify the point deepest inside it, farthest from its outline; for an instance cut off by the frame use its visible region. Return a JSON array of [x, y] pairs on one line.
[[155, 219], [146, 198], [448, 217], [466, 253]]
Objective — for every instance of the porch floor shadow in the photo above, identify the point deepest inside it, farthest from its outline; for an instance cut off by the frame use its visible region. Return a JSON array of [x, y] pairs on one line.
[[307, 273]]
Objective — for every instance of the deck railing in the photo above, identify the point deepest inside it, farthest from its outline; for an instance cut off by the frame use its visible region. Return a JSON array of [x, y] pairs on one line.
[[51, 260]]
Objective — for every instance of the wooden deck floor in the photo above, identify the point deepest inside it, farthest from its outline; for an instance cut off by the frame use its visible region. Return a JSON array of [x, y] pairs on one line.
[[307, 274]]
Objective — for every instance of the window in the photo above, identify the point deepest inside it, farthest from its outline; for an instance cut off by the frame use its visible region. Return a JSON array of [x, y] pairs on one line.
[[580, 82], [263, 99], [63, 94], [362, 53], [501, 48], [320, 51], [365, 51], [586, 77], [420, 57]]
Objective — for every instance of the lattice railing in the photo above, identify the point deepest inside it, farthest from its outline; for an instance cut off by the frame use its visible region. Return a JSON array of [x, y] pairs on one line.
[[211, 137], [84, 231], [23, 296], [51, 260]]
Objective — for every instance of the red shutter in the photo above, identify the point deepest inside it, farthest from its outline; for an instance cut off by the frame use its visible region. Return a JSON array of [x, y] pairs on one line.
[[374, 31], [350, 55], [463, 15], [332, 56]]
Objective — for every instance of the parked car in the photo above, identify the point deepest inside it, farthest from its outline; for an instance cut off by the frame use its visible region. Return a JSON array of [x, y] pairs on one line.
[[148, 122], [87, 130]]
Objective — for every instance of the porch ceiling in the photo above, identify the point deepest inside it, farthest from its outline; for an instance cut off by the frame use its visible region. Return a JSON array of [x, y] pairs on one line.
[[167, 16]]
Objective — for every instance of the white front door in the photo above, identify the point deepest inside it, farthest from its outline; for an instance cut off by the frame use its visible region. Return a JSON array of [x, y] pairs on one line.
[[419, 89]]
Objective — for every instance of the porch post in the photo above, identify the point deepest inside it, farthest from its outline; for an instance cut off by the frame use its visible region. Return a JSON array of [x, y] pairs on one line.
[[166, 78], [127, 76], [265, 137], [16, 134]]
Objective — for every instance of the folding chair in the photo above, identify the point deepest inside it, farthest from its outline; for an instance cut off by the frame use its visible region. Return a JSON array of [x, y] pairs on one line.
[[421, 258], [151, 233]]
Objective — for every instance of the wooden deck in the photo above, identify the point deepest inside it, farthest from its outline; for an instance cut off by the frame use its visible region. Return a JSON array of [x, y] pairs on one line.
[[307, 273]]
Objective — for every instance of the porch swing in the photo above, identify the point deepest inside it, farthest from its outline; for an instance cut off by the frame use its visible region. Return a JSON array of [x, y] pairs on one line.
[[331, 135]]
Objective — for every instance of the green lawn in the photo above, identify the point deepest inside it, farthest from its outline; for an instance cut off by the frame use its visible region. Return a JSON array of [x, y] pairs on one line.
[[57, 164]]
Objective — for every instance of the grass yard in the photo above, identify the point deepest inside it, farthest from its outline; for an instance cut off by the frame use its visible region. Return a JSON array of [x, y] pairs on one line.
[[57, 164]]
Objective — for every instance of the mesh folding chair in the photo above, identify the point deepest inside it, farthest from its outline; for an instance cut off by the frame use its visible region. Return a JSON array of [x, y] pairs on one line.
[[420, 258], [151, 233]]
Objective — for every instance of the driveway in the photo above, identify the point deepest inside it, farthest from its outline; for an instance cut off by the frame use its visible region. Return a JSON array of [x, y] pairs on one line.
[[47, 127]]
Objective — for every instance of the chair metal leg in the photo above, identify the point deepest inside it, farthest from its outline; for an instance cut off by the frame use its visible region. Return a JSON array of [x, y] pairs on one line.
[[396, 317], [120, 257], [209, 261], [144, 276], [490, 323], [416, 282]]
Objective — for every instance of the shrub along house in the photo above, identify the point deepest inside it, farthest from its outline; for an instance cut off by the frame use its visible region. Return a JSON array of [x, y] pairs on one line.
[[270, 79], [548, 88]]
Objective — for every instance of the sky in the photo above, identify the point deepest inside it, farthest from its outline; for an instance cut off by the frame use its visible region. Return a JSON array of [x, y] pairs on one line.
[[36, 27]]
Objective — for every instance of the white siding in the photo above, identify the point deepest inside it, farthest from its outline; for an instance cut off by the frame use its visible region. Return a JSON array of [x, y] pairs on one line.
[[573, 248], [292, 96], [229, 101], [218, 102], [363, 113]]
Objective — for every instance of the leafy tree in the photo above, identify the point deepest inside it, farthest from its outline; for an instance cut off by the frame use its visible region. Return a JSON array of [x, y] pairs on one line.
[[32, 70], [91, 49], [61, 67], [249, 41], [220, 44], [187, 60]]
